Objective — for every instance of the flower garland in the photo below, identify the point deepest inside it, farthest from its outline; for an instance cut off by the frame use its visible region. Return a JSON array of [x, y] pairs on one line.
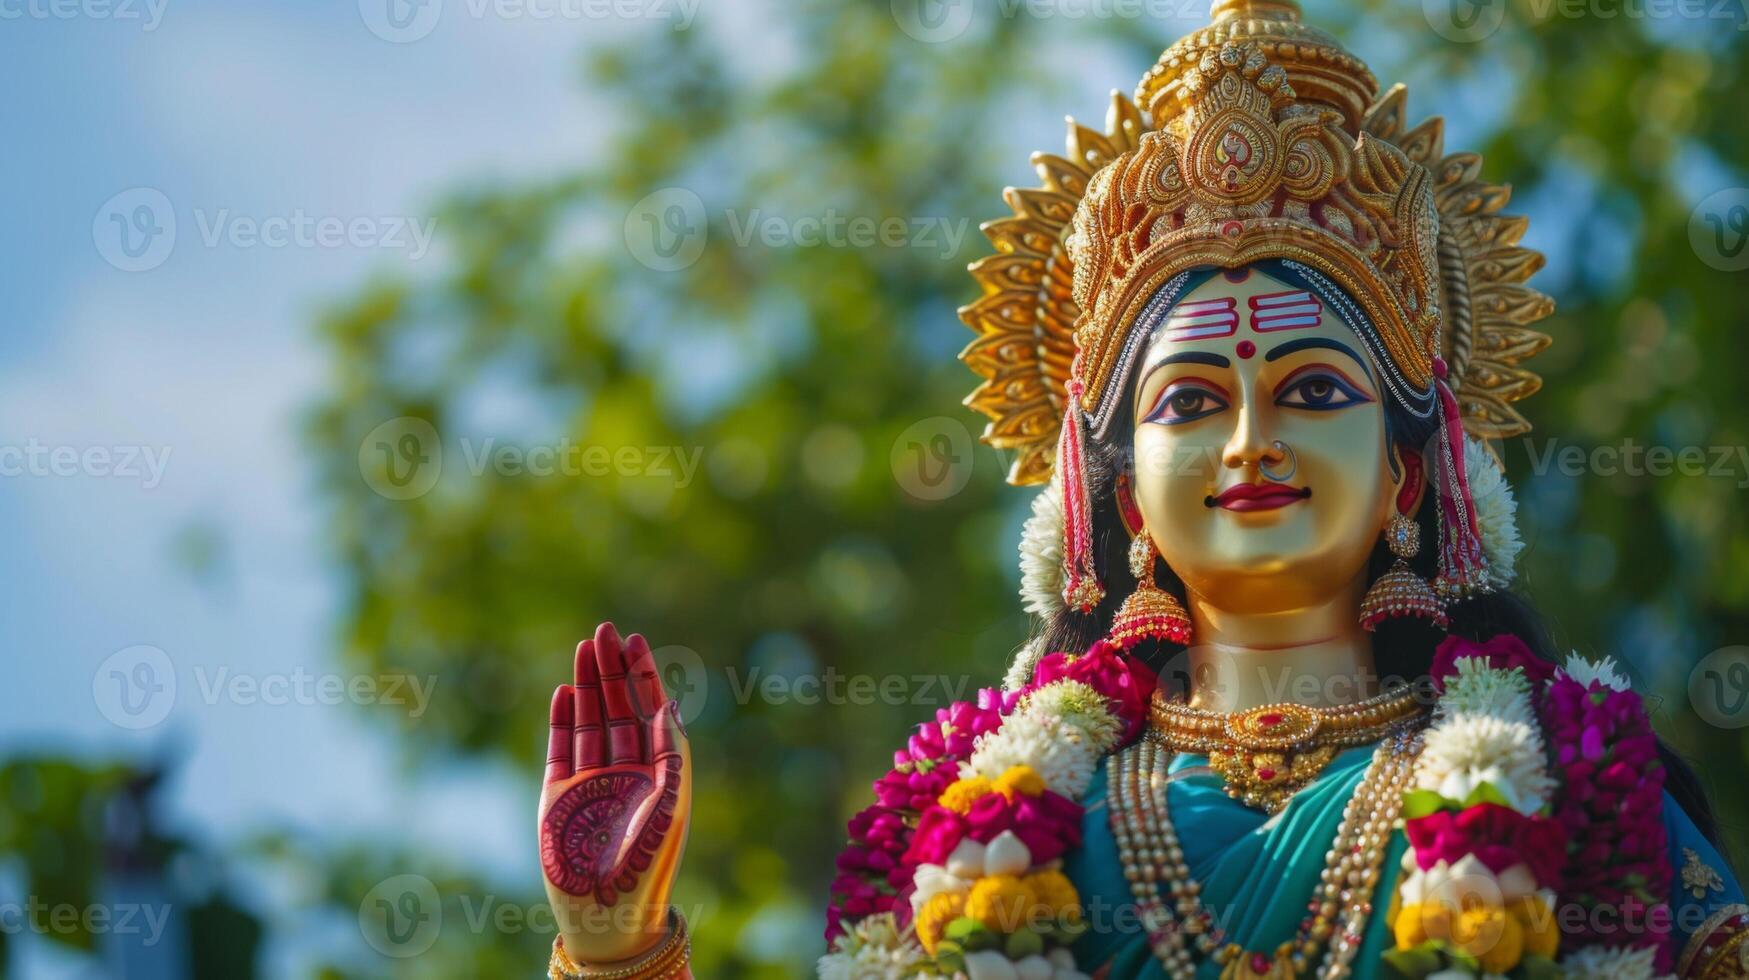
[[1479, 881], [957, 869], [1612, 806], [1495, 844]]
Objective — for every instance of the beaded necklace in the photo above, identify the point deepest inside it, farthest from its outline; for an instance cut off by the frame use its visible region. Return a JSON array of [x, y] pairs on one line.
[[1152, 858]]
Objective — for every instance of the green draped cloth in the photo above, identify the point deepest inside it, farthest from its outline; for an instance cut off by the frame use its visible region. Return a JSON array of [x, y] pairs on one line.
[[1258, 872]]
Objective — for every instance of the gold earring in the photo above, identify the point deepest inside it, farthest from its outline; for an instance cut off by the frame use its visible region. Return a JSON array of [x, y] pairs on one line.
[[1150, 612], [1400, 593]]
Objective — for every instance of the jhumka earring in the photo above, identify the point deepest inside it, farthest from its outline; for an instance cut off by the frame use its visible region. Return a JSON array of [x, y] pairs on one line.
[[1400, 593], [1150, 612]]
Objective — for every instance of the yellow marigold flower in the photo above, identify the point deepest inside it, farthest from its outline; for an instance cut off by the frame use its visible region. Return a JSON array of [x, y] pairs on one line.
[[1002, 902], [962, 793], [1418, 923], [932, 919], [1022, 780], [1408, 929], [1494, 938], [1541, 935], [1055, 893]]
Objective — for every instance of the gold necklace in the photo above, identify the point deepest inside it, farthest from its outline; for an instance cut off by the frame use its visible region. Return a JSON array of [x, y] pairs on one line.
[[1153, 860], [1267, 754]]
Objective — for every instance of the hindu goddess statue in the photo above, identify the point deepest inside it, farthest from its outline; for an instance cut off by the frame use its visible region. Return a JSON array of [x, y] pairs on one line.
[[1283, 715]]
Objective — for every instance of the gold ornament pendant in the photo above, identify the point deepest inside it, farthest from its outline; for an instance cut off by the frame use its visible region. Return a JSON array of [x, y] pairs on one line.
[[1240, 964], [1273, 754], [1267, 754]]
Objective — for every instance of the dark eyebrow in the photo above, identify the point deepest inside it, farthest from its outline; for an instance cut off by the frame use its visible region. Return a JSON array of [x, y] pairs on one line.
[[1188, 357], [1307, 343]]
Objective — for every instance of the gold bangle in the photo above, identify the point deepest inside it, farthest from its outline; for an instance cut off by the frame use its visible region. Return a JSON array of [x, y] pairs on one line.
[[667, 960]]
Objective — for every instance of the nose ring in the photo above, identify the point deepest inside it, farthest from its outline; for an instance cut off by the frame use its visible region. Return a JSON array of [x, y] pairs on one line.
[[1292, 460]]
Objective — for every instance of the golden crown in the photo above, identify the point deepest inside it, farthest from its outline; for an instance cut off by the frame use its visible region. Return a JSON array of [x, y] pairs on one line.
[[1269, 141]]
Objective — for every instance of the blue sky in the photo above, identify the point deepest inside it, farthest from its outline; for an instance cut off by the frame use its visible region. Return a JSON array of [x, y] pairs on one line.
[[237, 115]]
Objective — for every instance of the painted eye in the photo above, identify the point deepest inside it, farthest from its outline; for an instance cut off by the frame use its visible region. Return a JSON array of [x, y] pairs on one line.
[[1320, 392], [1185, 403]]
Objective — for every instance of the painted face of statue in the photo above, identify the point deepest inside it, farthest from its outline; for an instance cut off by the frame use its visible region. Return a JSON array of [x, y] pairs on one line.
[[1263, 470]]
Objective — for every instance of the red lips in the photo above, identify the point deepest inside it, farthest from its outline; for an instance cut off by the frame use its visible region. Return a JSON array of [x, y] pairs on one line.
[[1267, 495]]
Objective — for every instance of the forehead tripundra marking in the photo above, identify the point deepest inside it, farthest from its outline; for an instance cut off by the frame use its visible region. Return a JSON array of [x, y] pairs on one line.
[[1202, 319], [1289, 310]]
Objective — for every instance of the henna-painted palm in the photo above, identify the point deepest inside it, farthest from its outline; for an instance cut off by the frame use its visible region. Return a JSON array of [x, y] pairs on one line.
[[616, 800]]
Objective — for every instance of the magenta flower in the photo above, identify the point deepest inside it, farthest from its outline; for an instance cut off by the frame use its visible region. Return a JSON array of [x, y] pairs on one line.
[[1611, 808], [1126, 682], [1502, 652]]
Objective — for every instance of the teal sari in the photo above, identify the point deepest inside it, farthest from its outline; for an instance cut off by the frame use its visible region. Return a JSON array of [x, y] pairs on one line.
[[1257, 872]]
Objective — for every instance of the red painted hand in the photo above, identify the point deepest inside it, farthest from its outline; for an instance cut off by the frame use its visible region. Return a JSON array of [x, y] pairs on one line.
[[616, 801]]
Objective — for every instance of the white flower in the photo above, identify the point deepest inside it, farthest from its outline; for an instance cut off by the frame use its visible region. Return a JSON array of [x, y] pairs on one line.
[[1466, 750], [1496, 512], [1006, 855], [990, 965], [932, 880], [1074, 703], [967, 859], [1479, 689], [1606, 963], [873, 949], [1465, 883], [1034, 967], [1020, 669], [1041, 552], [1603, 672], [1062, 755]]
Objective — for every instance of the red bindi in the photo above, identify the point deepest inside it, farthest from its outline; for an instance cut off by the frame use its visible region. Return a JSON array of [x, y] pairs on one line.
[[1245, 349]]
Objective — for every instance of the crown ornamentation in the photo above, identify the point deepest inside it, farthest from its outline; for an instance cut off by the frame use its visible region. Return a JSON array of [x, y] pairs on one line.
[[1262, 139], [1245, 172]]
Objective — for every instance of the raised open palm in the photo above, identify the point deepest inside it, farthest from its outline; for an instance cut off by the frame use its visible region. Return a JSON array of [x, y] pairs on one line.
[[616, 801]]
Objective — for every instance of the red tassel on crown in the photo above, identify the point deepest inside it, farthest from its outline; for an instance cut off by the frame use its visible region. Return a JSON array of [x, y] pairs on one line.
[[1081, 587], [1463, 566]]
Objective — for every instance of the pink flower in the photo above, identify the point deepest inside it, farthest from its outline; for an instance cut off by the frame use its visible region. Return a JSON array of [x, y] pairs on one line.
[[1047, 824], [1611, 807], [1503, 652], [937, 834], [1126, 682], [1498, 836]]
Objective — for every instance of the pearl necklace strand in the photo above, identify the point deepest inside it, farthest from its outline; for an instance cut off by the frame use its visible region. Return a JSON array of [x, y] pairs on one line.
[[1151, 855]]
